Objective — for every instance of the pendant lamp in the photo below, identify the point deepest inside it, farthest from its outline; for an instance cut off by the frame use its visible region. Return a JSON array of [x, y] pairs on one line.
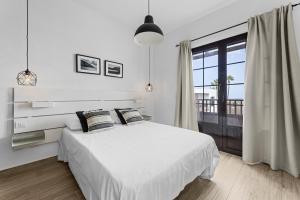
[[149, 86], [148, 33], [27, 77]]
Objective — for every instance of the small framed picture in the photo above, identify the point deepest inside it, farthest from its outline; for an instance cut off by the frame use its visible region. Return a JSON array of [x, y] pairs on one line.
[[88, 65], [113, 69]]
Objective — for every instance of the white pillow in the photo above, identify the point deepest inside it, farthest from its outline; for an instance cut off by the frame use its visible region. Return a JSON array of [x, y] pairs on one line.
[[73, 124]]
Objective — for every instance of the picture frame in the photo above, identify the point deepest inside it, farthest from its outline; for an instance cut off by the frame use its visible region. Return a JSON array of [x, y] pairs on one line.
[[113, 69], [88, 65]]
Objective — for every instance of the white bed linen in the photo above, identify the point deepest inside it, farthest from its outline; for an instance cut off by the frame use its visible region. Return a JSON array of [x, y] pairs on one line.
[[145, 161]]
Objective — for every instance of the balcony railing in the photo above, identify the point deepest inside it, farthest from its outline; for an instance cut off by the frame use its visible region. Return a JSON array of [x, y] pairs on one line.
[[233, 106]]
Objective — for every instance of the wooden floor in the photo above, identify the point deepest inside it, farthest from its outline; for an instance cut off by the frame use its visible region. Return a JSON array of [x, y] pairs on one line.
[[49, 179]]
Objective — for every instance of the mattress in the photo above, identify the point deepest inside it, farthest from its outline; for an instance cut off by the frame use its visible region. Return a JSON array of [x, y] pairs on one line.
[[144, 161]]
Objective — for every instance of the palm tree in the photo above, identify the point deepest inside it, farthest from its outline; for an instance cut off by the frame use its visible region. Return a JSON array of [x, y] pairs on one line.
[[215, 84], [229, 79]]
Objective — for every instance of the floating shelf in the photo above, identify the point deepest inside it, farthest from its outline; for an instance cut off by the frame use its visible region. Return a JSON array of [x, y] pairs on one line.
[[42, 104], [28, 139]]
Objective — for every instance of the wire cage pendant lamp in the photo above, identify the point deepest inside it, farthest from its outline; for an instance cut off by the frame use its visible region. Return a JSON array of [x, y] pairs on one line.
[[27, 77], [148, 33]]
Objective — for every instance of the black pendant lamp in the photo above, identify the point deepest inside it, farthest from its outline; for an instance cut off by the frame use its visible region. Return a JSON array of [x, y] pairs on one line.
[[149, 86], [27, 77], [148, 33]]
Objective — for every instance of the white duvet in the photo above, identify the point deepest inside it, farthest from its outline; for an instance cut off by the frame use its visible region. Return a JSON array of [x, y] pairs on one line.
[[145, 161]]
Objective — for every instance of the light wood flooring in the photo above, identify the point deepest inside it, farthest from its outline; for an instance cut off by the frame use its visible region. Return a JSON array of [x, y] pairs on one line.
[[233, 180]]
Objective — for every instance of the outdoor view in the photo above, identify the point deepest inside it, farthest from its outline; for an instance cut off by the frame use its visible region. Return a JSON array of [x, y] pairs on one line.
[[205, 74], [235, 72]]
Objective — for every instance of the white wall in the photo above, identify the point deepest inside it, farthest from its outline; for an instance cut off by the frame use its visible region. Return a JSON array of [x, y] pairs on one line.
[[166, 54], [58, 30]]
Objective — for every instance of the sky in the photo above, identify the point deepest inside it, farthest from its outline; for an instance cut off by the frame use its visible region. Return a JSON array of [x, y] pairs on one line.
[[211, 74]]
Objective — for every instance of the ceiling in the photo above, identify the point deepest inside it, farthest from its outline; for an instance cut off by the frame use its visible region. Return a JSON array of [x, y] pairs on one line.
[[168, 14]]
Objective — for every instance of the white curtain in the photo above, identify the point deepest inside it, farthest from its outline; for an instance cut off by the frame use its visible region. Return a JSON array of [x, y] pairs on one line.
[[185, 116], [272, 100]]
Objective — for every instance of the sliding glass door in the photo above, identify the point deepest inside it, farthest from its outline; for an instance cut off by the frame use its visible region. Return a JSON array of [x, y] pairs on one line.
[[218, 71]]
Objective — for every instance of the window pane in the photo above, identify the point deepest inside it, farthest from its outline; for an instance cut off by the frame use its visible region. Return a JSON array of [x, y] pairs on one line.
[[210, 114], [235, 92], [211, 58], [198, 77], [210, 105], [207, 93], [236, 73], [199, 99], [206, 105], [197, 61], [198, 93], [235, 107], [211, 76], [211, 92], [236, 52]]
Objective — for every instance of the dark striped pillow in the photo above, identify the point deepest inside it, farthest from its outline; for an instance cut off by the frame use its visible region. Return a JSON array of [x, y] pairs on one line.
[[131, 116], [98, 119], [82, 120], [118, 111]]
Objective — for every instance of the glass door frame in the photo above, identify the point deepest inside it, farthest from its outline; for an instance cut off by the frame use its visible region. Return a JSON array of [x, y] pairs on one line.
[[222, 83]]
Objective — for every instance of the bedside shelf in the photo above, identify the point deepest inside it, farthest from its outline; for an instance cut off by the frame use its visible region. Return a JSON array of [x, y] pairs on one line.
[[29, 139]]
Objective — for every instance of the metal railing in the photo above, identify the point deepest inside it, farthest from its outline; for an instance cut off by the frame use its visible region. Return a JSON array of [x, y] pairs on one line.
[[233, 106]]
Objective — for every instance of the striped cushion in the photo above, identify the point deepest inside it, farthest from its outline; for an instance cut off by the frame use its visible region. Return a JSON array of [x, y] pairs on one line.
[[118, 111], [131, 116], [82, 120], [98, 119]]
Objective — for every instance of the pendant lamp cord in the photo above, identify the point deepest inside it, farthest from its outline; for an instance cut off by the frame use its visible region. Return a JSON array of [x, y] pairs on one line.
[[27, 51], [148, 7], [149, 62]]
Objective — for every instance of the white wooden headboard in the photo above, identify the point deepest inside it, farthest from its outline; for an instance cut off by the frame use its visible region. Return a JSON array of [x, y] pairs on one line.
[[45, 110]]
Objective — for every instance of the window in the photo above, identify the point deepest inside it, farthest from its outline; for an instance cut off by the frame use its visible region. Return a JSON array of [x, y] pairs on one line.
[[205, 73], [236, 59]]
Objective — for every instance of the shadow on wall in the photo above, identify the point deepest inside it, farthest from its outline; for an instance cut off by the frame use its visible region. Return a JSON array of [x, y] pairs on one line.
[[10, 112], [5, 146], [7, 129]]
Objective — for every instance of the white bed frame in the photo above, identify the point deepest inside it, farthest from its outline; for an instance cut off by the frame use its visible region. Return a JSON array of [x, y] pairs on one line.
[[41, 110]]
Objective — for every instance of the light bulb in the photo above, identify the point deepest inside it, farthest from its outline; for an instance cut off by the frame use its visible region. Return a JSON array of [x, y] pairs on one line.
[[149, 87]]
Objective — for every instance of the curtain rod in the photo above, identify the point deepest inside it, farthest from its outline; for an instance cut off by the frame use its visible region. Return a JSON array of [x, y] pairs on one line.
[[225, 29]]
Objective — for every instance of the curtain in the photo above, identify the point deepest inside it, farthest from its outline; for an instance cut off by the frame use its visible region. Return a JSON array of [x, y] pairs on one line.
[[185, 116], [272, 98]]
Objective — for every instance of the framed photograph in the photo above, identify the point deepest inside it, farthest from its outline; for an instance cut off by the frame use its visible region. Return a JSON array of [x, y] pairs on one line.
[[88, 65], [113, 69]]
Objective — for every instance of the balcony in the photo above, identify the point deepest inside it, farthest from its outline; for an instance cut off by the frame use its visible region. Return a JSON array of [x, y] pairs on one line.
[[208, 111], [225, 126]]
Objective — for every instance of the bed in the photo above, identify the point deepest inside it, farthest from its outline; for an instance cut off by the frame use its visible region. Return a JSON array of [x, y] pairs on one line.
[[144, 161]]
